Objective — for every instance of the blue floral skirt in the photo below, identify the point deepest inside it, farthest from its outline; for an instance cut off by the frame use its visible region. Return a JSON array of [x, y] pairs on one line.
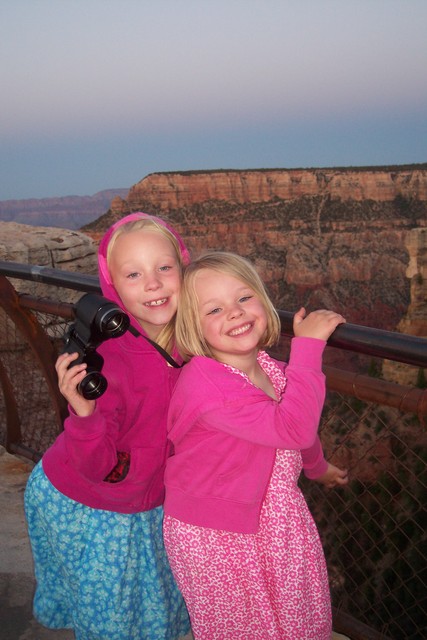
[[103, 574]]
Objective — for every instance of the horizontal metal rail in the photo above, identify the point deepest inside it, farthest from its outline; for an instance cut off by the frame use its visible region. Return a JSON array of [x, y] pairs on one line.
[[389, 345], [47, 275]]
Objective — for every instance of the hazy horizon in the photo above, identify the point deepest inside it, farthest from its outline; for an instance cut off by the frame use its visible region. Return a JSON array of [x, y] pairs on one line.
[[127, 188], [97, 95]]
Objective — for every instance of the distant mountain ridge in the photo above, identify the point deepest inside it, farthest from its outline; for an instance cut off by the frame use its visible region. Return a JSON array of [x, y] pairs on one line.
[[68, 212]]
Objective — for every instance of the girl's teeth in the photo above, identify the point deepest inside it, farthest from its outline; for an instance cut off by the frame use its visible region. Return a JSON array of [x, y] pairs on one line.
[[237, 332], [155, 303]]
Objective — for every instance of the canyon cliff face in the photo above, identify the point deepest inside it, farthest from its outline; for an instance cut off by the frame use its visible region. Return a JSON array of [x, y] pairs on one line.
[[414, 322], [169, 191], [331, 238], [351, 240]]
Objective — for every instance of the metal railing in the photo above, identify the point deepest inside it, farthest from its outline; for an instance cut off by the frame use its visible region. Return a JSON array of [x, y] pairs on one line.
[[373, 530]]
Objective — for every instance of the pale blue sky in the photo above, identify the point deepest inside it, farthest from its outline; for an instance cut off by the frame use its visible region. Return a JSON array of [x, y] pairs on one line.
[[97, 94]]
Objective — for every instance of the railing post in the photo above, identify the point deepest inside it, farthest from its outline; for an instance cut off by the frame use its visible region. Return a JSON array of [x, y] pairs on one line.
[[13, 423], [44, 353]]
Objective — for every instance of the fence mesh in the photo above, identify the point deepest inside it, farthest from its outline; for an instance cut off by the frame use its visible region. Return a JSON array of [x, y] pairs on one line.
[[373, 530]]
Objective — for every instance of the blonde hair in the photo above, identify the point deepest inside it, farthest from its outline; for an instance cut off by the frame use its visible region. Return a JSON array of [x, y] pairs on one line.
[[166, 337], [188, 332]]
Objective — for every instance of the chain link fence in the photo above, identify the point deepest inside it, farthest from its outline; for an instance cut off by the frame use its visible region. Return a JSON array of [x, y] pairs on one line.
[[373, 530]]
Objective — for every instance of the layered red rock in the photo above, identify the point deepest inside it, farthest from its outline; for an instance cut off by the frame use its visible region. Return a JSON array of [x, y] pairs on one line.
[[173, 190], [320, 238]]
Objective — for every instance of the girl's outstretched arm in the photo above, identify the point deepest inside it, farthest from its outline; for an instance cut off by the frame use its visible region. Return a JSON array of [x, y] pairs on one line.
[[318, 324]]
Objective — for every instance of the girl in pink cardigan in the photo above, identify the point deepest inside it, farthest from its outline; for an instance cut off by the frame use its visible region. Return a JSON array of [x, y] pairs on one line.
[[241, 541]]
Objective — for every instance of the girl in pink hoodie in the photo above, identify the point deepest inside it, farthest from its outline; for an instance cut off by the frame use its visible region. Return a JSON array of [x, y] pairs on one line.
[[241, 541], [95, 526]]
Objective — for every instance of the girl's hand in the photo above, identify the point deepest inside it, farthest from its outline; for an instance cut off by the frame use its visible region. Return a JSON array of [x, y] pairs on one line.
[[69, 379], [318, 324], [333, 477]]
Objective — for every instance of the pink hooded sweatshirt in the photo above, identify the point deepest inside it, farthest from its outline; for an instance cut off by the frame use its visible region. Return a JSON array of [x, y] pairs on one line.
[[130, 416]]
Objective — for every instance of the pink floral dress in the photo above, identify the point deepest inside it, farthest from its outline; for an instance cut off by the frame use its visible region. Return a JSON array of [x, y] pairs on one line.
[[272, 585]]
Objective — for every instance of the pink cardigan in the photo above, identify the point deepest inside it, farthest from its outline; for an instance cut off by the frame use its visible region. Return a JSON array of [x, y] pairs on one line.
[[225, 433]]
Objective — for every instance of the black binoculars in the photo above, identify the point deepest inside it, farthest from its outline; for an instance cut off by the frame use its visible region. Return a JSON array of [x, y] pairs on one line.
[[96, 320]]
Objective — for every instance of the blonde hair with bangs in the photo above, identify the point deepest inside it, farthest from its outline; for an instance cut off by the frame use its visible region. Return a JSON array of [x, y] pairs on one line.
[[188, 331], [166, 337]]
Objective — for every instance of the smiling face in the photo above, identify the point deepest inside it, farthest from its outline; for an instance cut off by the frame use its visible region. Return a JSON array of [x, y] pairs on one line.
[[233, 318], [146, 274]]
